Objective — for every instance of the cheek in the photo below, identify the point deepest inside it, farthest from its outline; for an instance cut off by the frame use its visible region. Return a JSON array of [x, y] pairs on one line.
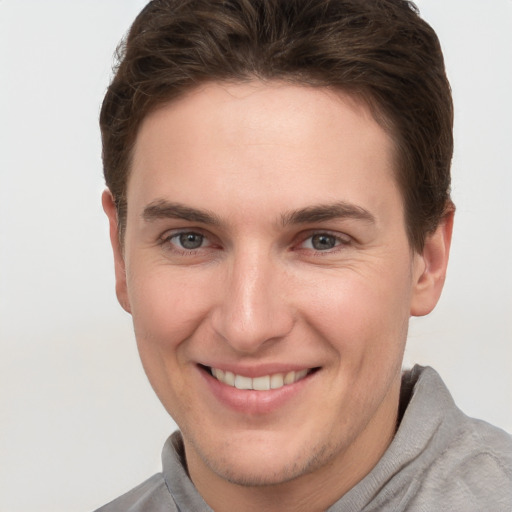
[[362, 315], [167, 310], [166, 306]]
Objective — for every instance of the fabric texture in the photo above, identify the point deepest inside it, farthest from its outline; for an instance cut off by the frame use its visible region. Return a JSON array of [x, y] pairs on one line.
[[440, 459]]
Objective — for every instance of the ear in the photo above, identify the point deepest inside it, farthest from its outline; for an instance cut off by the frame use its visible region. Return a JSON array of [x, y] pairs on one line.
[[109, 208], [430, 267]]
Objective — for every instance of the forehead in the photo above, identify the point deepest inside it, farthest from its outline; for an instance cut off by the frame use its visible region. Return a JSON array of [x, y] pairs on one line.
[[263, 143]]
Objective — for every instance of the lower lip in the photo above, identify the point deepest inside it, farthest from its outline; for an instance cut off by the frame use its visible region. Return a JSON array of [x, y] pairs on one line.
[[251, 402]]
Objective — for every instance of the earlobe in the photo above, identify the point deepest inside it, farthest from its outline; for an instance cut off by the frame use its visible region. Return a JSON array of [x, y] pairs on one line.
[[431, 267], [109, 208]]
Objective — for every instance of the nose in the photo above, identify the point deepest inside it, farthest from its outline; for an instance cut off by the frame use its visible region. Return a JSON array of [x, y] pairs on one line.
[[253, 308]]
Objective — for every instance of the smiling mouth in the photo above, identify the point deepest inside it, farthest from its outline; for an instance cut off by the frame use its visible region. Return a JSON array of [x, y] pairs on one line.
[[263, 383]]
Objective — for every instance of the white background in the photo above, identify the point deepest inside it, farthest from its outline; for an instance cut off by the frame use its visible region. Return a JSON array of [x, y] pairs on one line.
[[79, 423]]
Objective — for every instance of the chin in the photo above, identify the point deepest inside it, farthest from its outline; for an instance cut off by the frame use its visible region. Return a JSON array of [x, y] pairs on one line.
[[266, 463], [260, 473]]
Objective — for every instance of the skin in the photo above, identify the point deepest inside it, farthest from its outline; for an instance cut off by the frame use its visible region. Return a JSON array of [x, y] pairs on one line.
[[302, 262]]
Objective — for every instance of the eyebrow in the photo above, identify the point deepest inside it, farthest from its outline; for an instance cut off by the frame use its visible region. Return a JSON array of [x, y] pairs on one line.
[[162, 209], [323, 212]]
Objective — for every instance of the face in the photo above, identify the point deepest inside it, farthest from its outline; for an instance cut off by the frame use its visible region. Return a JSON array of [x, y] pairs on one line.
[[269, 276]]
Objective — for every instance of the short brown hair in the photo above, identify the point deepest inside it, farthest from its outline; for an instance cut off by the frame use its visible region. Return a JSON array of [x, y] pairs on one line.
[[379, 50]]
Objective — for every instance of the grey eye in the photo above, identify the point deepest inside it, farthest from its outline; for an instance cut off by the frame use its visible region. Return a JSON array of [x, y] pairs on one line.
[[323, 242], [191, 240]]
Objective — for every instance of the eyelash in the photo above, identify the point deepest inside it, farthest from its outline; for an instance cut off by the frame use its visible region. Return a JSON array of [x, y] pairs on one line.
[[341, 241], [167, 239]]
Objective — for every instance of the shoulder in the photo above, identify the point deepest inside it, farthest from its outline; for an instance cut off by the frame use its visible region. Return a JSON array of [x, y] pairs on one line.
[[487, 445], [149, 495], [169, 491], [470, 461], [477, 465]]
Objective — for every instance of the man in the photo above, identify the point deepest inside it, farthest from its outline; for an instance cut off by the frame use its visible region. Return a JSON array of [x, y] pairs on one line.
[[278, 197]]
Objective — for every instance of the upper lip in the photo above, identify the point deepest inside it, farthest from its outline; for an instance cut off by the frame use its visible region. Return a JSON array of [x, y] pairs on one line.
[[262, 370]]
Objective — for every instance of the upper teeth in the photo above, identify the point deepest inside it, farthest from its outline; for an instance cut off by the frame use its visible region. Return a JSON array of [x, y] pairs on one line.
[[264, 383]]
